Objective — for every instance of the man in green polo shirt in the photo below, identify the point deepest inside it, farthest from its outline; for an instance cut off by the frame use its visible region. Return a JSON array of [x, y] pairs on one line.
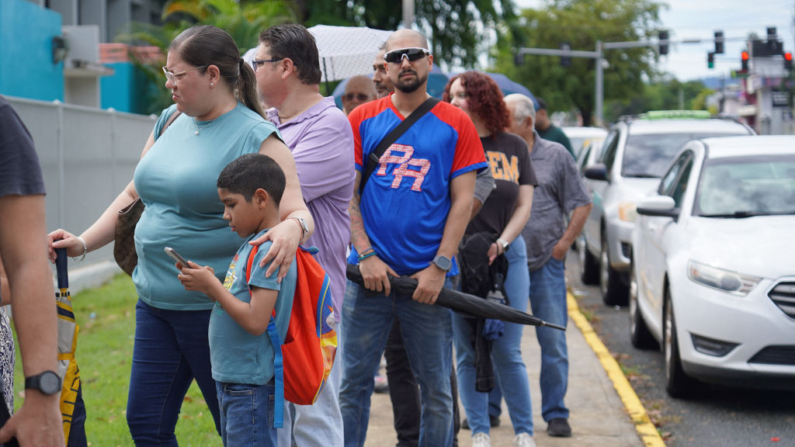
[[549, 131]]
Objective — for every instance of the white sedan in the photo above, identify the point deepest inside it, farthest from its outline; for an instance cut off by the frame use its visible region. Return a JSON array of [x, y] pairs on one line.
[[713, 268]]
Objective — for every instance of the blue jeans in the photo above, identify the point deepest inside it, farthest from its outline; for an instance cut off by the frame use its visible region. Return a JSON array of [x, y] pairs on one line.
[[427, 335], [548, 302], [506, 355], [171, 349], [247, 414]]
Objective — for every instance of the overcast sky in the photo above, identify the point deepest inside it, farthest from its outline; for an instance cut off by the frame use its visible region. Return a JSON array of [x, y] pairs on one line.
[[700, 18]]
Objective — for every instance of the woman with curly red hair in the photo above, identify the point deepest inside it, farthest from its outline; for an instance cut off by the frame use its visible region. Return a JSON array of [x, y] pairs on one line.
[[503, 215]]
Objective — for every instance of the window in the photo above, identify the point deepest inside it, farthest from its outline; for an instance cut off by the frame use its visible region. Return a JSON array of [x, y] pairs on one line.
[[681, 184], [669, 179], [610, 148], [647, 155]]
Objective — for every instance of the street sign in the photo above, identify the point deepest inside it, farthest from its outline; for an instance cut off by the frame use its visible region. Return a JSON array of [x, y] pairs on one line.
[[739, 74], [780, 98]]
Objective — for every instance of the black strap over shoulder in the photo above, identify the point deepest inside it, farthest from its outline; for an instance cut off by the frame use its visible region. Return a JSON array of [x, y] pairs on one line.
[[375, 156]]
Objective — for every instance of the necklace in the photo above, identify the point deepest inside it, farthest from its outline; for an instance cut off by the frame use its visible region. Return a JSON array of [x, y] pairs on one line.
[[207, 124]]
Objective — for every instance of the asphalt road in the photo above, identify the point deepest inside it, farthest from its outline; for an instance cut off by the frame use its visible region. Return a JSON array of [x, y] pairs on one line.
[[717, 416]]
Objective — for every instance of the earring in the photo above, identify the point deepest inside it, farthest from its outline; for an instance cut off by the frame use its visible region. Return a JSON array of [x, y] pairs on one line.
[[211, 84]]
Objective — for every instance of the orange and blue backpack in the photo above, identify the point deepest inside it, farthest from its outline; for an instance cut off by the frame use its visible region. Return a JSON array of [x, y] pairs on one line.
[[303, 361]]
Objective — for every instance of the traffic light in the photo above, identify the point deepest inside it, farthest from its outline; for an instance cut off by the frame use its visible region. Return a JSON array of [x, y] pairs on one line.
[[518, 59], [710, 60], [718, 42], [565, 61], [744, 57], [773, 44], [663, 36], [788, 61]]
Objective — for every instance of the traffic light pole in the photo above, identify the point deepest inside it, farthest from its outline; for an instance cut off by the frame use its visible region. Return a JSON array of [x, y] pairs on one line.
[[598, 55]]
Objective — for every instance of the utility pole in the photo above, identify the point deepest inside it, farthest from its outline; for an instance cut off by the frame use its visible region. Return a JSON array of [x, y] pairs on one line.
[[600, 94], [408, 13]]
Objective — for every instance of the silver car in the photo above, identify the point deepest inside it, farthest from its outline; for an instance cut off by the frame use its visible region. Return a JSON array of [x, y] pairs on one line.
[[635, 155]]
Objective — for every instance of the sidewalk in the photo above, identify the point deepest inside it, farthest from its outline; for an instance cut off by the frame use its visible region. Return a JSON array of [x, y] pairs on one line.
[[598, 416]]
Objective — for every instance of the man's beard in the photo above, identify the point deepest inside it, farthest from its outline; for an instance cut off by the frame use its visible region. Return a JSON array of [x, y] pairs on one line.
[[407, 86]]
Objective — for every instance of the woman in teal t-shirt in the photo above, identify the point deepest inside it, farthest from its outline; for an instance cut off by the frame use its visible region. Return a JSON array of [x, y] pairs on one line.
[[221, 119]]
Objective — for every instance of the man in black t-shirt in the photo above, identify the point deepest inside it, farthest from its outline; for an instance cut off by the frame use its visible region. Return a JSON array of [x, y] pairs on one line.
[[23, 248]]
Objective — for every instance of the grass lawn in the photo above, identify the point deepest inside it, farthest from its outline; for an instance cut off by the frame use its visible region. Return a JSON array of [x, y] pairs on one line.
[[104, 355]]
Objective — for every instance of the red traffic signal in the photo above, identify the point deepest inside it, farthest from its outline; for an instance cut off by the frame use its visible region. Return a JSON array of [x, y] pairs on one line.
[[744, 56], [788, 61]]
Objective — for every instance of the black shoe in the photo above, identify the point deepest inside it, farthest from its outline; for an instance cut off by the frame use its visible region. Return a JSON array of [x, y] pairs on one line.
[[494, 421], [559, 428]]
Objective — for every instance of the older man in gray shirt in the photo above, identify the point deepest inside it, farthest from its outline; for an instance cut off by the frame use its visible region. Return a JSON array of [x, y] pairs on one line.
[[560, 191]]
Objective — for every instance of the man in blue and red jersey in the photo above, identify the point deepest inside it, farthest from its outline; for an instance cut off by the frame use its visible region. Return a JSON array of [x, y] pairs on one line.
[[408, 221]]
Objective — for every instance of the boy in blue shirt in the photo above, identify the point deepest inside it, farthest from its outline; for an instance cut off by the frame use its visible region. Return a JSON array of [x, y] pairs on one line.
[[240, 350]]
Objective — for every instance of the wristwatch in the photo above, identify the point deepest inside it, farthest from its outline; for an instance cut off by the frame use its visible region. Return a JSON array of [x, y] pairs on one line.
[[503, 244], [443, 262], [47, 382], [304, 227]]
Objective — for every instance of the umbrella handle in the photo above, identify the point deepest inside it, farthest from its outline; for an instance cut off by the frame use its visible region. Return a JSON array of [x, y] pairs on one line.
[[60, 266]]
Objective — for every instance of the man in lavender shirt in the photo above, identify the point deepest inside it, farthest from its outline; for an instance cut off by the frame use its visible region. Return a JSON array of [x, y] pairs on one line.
[[321, 140]]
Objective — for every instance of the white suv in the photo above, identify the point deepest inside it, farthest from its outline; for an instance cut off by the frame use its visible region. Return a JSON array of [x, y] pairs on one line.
[[635, 155]]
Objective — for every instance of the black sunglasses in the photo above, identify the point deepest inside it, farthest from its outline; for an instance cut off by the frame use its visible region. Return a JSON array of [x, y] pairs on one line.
[[412, 54], [359, 96]]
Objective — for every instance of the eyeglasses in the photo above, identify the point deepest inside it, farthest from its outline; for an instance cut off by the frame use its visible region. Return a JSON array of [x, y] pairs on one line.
[[359, 96], [412, 54], [174, 77], [260, 63]]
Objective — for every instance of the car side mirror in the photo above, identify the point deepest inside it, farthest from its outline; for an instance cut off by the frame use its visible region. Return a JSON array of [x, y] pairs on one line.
[[596, 171], [661, 206]]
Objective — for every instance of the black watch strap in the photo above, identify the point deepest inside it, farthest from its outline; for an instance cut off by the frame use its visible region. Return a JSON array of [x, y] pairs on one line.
[[48, 383]]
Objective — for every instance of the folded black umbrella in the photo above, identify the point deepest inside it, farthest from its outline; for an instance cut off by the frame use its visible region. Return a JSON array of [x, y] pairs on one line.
[[460, 302]]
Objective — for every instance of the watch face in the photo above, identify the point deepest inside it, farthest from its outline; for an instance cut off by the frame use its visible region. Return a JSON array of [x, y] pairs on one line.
[[49, 383], [443, 263]]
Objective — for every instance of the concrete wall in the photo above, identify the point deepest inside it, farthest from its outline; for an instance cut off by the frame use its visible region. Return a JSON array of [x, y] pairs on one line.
[[87, 157], [26, 68]]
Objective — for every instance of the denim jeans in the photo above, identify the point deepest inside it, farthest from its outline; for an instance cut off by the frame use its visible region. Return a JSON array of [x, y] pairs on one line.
[[247, 414], [506, 355], [171, 349], [321, 422], [548, 302], [427, 334], [405, 394]]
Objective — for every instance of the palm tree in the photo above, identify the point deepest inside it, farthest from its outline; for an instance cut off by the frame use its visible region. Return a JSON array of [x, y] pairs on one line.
[[243, 20]]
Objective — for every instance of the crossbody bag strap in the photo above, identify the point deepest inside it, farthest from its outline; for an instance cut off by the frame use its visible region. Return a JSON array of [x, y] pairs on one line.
[[170, 120], [375, 156]]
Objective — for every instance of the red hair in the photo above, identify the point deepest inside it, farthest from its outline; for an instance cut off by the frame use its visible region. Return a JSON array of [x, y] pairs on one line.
[[484, 98]]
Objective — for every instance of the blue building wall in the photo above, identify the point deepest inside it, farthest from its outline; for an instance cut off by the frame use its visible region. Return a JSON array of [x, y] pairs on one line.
[[118, 91], [26, 68]]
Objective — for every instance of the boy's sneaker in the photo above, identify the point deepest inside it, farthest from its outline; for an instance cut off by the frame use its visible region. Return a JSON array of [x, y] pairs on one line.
[[481, 440], [559, 428], [381, 384], [523, 440]]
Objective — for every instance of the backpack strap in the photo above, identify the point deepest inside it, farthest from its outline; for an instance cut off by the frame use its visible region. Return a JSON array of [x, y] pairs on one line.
[[278, 360]]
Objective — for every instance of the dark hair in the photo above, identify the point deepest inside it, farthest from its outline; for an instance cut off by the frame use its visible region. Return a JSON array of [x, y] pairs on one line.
[[484, 98], [296, 43], [251, 172], [542, 105], [205, 45]]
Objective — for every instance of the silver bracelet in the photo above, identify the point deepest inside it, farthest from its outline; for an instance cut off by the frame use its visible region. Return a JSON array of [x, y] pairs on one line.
[[85, 249]]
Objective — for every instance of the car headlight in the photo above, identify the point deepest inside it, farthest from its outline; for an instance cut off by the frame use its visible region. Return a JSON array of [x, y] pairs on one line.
[[733, 283], [628, 211]]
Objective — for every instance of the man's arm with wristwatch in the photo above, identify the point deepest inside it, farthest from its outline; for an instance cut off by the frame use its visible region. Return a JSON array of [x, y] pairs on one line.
[[375, 272], [431, 280]]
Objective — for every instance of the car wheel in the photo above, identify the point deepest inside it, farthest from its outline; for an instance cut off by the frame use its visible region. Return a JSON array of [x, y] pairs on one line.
[[589, 268], [677, 382], [638, 331], [613, 291]]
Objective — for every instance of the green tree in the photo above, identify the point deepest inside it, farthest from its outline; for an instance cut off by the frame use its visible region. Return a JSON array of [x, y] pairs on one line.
[[243, 20], [582, 23], [453, 26]]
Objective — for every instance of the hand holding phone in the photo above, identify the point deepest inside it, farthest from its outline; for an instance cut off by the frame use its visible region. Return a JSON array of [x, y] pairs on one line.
[[176, 256]]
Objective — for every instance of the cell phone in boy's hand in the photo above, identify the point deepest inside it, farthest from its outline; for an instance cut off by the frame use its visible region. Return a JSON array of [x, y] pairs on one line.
[[176, 256]]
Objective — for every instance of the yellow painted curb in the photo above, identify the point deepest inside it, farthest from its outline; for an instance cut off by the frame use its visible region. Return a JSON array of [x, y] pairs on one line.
[[646, 430]]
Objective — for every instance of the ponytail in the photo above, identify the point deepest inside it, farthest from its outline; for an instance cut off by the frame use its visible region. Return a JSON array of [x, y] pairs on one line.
[[247, 89]]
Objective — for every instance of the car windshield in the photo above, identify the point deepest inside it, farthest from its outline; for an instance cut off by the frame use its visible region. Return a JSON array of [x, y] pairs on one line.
[[747, 186], [577, 144], [648, 155]]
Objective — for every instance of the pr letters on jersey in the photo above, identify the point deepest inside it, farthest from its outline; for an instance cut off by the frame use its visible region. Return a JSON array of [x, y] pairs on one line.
[[391, 156]]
